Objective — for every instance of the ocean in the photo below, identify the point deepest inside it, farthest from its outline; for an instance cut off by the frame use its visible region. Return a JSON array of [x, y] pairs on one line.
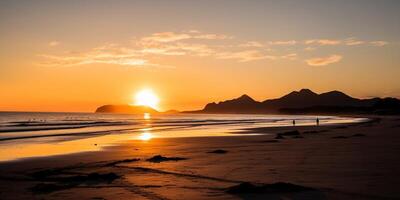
[[35, 134]]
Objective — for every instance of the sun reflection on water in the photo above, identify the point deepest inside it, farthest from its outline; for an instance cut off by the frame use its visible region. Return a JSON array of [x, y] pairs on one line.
[[145, 136], [146, 116]]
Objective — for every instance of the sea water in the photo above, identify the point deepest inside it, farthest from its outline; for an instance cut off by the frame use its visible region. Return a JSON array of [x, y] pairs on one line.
[[33, 134]]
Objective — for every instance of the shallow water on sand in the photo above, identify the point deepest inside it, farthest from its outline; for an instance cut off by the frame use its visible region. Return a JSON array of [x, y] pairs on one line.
[[25, 135]]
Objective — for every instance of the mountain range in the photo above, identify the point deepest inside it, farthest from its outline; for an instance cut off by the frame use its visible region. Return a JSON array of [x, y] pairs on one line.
[[305, 101]]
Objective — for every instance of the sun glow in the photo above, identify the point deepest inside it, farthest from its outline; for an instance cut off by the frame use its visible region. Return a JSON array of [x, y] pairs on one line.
[[146, 97]]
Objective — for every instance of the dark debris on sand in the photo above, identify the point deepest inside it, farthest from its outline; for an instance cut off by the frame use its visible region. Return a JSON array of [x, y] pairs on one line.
[[218, 151], [345, 137], [111, 164], [314, 131], [160, 158], [278, 137], [42, 188], [279, 187], [57, 182], [43, 174], [293, 134], [269, 141], [339, 137], [91, 178]]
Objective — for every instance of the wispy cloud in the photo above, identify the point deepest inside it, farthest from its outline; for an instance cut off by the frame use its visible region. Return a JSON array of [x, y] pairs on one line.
[[378, 43], [66, 61], [106, 54], [54, 43], [178, 48], [309, 49], [284, 43], [291, 56], [244, 56], [145, 50], [353, 42], [173, 36], [348, 42], [140, 51], [323, 42], [166, 37], [252, 44], [322, 61]]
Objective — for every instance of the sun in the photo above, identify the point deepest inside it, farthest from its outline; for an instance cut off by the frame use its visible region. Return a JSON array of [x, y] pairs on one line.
[[146, 97]]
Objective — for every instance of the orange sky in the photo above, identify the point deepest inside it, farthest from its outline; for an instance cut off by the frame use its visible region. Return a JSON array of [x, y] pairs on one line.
[[76, 56]]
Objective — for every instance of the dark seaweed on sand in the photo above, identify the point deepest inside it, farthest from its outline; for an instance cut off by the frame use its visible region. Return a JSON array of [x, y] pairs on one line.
[[269, 141], [279, 187], [293, 134], [160, 158], [66, 182], [110, 164], [218, 151], [339, 137]]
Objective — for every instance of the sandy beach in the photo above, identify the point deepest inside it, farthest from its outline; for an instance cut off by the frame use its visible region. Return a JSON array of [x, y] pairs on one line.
[[354, 161]]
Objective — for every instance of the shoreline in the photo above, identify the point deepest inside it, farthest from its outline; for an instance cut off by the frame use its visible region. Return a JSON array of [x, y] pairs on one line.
[[231, 132]]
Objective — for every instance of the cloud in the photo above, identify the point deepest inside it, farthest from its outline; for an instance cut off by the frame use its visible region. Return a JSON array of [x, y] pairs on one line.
[[138, 53], [348, 42], [195, 49], [291, 56], [66, 61], [166, 37], [143, 51], [54, 43], [378, 43], [245, 56], [162, 51], [251, 44], [309, 49], [212, 37], [323, 42], [353, 42], [178, 49], [283, 43], [106, 54], [192, 34], [324, 60], [194, 31]]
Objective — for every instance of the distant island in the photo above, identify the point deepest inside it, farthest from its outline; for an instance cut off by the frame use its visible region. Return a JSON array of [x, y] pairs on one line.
[[125, 109], [131, 109], [304, 101]]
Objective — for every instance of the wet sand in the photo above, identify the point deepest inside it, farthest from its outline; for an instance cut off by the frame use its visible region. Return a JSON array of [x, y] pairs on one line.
[[357, 161]]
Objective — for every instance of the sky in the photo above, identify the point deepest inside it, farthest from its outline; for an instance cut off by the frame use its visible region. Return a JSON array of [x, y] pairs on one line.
[[77, 55]]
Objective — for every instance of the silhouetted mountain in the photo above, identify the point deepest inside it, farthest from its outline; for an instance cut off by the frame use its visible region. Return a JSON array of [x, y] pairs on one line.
[[387, 106], [306, 98], [243, 104], [305, 101], [171, 112], [125, 109]]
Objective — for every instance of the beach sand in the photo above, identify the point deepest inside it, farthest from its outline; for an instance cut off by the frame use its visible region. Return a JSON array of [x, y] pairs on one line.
[[357, 161]]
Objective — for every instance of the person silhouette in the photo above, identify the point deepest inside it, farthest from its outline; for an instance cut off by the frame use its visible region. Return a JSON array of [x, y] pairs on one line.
[[317, 121], [294, 122]]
